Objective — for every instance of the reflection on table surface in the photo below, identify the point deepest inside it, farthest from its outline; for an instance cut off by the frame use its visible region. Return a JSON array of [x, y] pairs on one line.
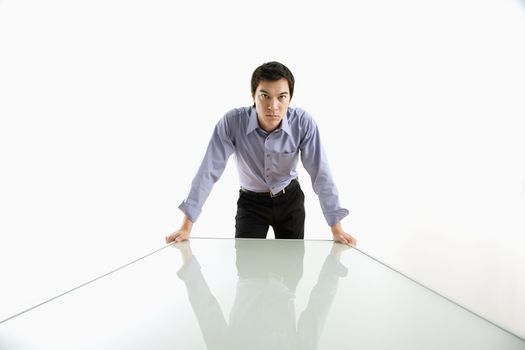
[[263, 314], [253, 294]]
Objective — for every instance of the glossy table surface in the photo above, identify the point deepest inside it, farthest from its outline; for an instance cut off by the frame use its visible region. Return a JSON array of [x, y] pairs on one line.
[[252, 294]]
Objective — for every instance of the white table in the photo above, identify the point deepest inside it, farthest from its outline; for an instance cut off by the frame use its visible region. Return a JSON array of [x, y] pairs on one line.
[[252, 294]]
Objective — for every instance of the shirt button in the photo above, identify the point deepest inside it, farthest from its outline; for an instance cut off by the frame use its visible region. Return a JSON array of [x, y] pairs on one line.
[[267, 156], [268, 169]]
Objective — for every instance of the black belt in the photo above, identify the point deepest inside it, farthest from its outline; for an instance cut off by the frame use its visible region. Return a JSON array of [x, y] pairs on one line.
[[294, 183]]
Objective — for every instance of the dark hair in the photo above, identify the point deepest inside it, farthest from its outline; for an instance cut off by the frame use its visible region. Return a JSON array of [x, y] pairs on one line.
[[272, 71]]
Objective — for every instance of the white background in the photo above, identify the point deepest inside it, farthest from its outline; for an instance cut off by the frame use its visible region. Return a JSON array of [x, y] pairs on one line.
[[106, 108]]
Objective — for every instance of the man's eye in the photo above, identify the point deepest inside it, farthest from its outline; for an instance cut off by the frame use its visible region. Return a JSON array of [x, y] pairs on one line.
[[283, 97]]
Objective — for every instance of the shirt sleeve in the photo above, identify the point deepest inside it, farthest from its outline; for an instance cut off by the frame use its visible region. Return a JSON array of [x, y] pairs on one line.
[[316, 164], [220, 148]]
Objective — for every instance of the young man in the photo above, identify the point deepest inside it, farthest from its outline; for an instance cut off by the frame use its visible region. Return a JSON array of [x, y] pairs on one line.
[[267, 138]]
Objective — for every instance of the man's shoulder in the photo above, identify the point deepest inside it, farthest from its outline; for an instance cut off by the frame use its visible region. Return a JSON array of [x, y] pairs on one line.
[[236, 118], [239, 112], [299, 115]]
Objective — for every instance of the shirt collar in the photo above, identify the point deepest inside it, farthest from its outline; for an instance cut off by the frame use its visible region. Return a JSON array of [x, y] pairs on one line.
[[284, 123], [252, 121], [254, 124]]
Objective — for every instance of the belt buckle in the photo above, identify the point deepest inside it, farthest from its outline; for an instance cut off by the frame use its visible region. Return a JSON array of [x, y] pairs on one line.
[[283, 191]]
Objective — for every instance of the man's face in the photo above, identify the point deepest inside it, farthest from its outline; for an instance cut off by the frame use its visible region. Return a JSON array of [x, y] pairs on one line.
[[271, 99]]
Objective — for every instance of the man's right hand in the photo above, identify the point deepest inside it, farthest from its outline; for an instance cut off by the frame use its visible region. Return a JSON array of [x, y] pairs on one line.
[[178, 236], [181, 234]]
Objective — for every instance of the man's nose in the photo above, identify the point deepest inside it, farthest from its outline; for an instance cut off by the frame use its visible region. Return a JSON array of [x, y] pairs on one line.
[[274, 104]]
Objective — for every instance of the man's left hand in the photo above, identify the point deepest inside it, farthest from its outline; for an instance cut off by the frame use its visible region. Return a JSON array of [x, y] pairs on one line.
[[341, 236]]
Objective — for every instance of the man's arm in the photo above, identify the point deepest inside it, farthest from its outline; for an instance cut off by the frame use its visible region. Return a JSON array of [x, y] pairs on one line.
[[316, 164], [212, 166]]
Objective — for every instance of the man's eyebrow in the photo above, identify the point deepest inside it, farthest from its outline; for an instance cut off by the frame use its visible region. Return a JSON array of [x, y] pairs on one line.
[[282, 93]]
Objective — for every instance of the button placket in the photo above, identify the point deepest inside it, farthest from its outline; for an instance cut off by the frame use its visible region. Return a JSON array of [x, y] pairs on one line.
[[268, 159]]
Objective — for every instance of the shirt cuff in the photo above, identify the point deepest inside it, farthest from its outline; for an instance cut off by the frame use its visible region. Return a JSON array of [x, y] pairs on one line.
[[190, 211], [336, 216]]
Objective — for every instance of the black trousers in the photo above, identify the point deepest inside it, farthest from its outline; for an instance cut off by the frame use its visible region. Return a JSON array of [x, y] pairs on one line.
[[257, 212]]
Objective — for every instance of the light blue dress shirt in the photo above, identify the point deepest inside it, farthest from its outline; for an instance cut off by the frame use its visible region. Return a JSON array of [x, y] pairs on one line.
[[266, 162]]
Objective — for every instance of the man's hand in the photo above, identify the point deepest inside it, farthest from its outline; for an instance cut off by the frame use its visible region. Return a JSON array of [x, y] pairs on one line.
[[181, 234], [341, 236], [178, 236]]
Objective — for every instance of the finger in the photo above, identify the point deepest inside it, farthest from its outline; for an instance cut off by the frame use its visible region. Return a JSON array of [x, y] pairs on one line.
[[172, 237], [343, 240]]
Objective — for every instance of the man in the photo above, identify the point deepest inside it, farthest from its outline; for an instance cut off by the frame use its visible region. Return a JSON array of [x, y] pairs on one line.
[[267, 139]]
